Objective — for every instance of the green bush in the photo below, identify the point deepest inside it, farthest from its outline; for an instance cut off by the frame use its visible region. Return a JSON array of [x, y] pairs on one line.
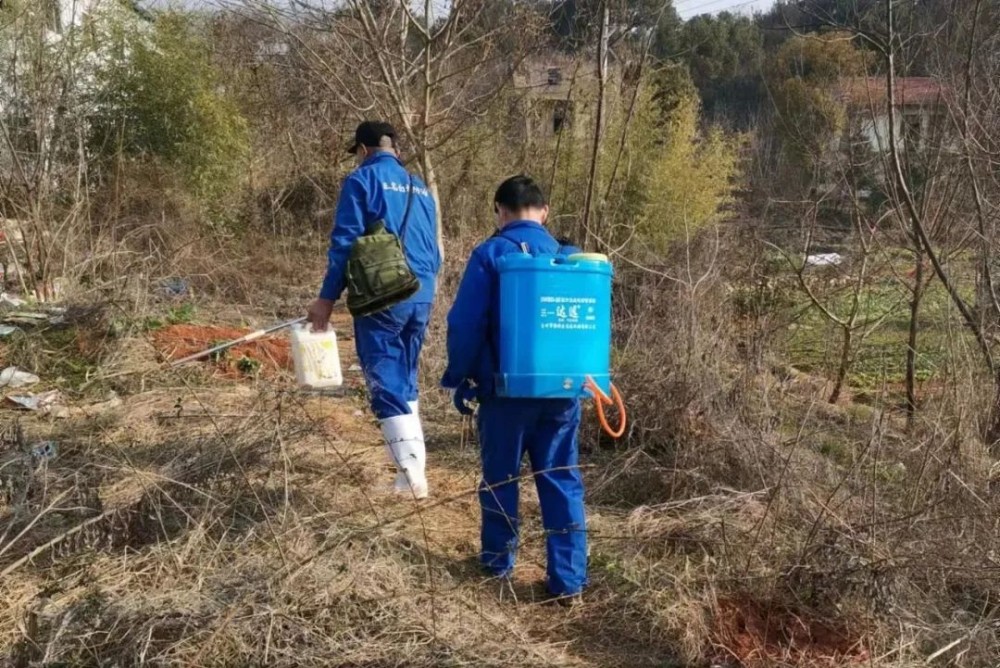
[[689, 180], [159, 95], [804, 77], [671, 176]]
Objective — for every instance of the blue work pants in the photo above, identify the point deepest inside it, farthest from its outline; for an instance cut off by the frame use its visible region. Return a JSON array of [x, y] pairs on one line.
[[547, 430], [388, 345]]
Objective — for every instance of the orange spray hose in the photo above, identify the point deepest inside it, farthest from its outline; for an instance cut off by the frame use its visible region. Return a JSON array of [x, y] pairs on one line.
[[600, 399]]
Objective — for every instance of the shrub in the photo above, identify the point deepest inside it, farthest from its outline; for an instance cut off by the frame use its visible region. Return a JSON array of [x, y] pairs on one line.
[[804, 77], [689, 180], [159, 95]]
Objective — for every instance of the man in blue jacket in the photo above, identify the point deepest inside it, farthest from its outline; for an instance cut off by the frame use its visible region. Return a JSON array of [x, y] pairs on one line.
[[544, 428], [388, 342]]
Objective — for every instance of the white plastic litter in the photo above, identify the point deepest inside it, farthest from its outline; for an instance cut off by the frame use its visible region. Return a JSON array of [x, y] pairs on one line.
[[31, 318], [61, 412], [42, 403], [10, 301], [824, 259], [13, 377]]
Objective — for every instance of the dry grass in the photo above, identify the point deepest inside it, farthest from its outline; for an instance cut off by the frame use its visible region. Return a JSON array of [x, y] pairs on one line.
[[234, 521], [227, 523]]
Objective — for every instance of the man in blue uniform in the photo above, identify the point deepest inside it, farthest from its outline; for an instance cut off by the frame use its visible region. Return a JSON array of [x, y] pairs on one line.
[[388, 342], [544, 428]]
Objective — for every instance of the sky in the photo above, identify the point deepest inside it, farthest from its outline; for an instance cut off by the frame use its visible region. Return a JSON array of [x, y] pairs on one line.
[[686, 8], [689, 8]]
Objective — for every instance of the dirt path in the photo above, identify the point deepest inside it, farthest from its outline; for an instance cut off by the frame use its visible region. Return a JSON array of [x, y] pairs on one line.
[[219, 517]]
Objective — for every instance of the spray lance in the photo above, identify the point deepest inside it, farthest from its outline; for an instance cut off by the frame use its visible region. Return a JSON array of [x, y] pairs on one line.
[[464, 396], [252, 336], [315, 354]]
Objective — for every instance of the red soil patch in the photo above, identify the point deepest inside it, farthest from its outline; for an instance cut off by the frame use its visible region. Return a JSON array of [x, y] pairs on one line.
[[273, 353], [755, 634]]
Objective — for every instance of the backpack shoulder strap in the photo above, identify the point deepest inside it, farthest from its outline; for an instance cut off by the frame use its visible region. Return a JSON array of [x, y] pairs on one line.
[[406, 214], [520, 244], [565, 248]]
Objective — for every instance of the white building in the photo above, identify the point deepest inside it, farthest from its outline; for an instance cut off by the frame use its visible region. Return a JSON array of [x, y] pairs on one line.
[[920, 106], [73, 64], [559, 94]]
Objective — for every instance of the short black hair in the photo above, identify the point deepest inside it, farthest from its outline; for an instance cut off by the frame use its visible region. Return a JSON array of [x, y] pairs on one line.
[[518, 193]]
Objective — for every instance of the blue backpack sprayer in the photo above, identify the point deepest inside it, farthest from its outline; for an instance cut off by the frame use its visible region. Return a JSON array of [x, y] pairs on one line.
[[555, 330]]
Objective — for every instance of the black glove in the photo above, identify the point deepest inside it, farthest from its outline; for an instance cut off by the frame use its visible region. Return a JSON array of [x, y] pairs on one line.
[[463, 396]]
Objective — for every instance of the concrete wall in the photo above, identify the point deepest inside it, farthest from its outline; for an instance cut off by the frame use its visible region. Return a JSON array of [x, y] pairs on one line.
[[918, 120]]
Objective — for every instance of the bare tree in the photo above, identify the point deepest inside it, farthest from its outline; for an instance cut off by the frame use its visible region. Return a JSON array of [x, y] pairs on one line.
[[925, 156], [42, 144], [920, 225], [432, 75], [971, 64], [923, 183], [855, 323]]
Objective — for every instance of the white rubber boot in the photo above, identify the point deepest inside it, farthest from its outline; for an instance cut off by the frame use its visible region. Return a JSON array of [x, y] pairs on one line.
[[405, 446], [415, 412]]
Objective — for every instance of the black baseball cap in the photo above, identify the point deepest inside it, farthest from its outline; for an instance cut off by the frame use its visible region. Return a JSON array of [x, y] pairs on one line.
[[370, 133]]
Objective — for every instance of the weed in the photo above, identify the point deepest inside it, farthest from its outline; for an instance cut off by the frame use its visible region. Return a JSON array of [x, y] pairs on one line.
[[219, 355], [152, 324], [181, 315], [248, 366]]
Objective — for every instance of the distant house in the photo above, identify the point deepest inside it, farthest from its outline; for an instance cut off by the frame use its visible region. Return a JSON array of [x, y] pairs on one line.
[[919, 102], [71, 12], [558, 93]]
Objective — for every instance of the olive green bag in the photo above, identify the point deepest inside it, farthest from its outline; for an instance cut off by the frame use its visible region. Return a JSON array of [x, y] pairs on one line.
[[378, 275]]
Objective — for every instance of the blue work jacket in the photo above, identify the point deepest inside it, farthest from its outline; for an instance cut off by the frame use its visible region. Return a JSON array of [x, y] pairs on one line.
[[473, 321], [377, 191]]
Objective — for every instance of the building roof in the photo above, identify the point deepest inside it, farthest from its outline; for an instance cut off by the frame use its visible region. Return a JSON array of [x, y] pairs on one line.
[[910, 91]]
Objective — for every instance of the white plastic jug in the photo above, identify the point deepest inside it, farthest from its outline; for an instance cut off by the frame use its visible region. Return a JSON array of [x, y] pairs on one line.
[[316, 358]]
